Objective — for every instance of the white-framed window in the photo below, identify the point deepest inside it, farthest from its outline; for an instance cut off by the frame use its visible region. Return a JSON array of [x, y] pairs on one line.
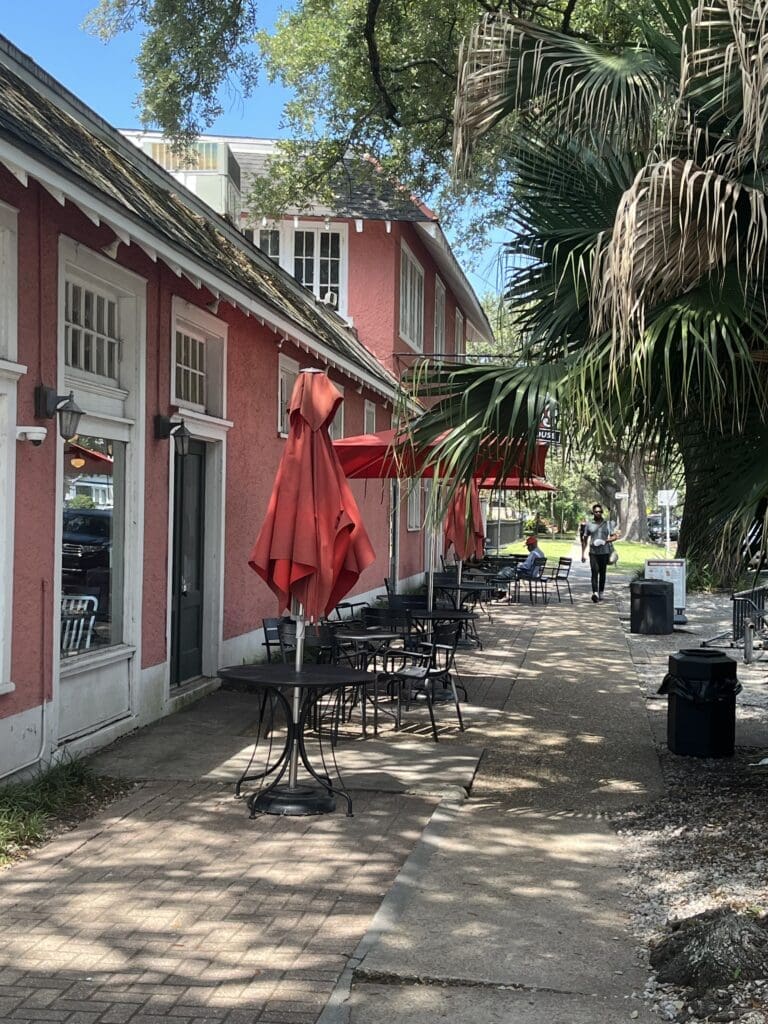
[[336, 429], [198, 373], [269, 242], [439, 343], [369, 417], [9, 296], [189, 376], [411, 299], [287, 372], [414, 505], [459, 333], [318, 261], [91, 329]]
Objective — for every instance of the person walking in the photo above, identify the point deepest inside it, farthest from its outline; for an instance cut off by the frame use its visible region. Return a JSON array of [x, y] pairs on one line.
[[598, 536]]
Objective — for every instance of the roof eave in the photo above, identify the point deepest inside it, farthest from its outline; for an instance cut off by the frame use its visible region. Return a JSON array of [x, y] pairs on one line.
[[98, 210]]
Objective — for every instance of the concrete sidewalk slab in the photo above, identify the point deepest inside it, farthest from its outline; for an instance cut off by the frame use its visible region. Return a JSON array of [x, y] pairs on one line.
[[513, 898], [432, 1004]]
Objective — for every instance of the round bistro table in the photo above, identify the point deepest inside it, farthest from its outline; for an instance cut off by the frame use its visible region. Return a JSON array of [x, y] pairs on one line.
[[305, 688]]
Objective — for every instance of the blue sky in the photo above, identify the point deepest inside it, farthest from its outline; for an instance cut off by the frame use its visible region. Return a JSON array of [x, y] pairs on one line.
[[104, 77]]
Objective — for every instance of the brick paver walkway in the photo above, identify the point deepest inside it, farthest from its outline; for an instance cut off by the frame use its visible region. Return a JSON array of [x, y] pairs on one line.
[[171, 906]]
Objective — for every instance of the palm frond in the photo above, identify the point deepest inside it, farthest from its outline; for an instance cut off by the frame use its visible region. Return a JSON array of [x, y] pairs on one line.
[[508, 65], [676, 225], [725, 71]]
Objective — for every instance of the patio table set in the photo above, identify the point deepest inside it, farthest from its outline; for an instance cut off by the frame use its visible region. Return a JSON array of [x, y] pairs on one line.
[[357, 667], [310, 551]]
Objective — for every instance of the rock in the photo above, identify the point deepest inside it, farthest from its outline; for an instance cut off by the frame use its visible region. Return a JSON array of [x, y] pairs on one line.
[[712, 949]]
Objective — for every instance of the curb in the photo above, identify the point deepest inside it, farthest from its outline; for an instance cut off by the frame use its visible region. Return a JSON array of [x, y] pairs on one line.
[[394, 903]]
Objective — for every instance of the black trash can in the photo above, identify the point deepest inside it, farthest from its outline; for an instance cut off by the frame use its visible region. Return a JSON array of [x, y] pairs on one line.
[[651, 606], [701, 688]]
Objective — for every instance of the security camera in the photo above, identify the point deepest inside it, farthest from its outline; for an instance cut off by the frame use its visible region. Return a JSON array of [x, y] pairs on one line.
[[34, 434]]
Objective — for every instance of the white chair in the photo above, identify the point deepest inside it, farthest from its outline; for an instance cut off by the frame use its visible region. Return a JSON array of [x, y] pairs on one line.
[[78, 614]]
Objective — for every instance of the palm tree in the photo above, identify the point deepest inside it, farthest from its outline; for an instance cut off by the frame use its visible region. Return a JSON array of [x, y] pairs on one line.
[[640, 254]]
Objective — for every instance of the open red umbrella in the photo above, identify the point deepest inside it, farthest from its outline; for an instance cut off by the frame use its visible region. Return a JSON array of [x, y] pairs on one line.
[[464, 524], [516, 483], [312, 546]]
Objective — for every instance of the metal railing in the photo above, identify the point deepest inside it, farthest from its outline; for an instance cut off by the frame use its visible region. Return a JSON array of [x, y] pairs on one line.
[[748, 620]]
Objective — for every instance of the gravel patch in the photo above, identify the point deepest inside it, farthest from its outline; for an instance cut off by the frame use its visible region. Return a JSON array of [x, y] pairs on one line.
[[705, 844]]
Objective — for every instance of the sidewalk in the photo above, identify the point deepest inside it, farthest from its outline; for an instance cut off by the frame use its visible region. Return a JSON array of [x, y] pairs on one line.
[[426, 906]]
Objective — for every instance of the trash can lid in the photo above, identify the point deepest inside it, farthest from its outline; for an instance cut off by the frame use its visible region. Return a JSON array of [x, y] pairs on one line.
[[704, 652], [651, 586]]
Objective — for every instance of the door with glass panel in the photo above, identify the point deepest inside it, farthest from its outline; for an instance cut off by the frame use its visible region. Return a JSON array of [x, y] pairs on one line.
[[187, 574]]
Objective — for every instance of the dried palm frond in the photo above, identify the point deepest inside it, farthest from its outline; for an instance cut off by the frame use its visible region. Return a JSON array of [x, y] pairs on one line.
[[677, 224], [507, 65], [724, 72]]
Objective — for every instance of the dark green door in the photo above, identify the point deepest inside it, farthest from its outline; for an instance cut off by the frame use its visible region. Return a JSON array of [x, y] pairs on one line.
[[188, 548]]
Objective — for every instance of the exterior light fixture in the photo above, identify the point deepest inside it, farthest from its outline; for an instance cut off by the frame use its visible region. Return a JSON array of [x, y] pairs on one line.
[[165, 428], [48, 404], [77, 462]]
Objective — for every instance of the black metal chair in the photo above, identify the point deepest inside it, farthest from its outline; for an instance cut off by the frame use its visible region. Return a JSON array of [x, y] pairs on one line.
[[416, 672], [271, 639], [537, 581], [349, 611], [318, 641], [559, 576], [403, 602], [395, 620]]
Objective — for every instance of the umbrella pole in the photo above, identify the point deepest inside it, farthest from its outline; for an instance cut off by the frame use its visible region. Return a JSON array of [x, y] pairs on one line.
[[430, 570], [460, 563], [293, 767]]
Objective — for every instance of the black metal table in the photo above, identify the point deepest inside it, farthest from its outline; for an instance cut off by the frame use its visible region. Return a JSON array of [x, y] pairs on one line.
[[305, 689], [366, 647], [463, 616], [458, 593]]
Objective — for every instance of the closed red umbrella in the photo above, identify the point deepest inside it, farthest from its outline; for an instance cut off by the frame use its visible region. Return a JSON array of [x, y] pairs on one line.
[[465, 531], [312, 546]]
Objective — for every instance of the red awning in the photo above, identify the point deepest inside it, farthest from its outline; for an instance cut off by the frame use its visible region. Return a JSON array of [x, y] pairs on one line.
[[379, 457]]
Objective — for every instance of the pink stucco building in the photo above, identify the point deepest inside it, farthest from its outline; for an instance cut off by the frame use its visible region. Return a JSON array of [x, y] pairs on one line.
[[378, 257], [124, 581]]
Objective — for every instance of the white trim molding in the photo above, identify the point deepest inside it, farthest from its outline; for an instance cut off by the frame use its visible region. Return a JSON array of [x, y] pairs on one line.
[[10, 372]]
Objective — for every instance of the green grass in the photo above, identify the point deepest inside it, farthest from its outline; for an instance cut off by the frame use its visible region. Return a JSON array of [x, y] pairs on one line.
[[632, 554], [59, 796]]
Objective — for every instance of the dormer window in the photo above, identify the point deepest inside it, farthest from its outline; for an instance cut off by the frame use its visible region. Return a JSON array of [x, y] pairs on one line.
[[269, 243], [317, 260]]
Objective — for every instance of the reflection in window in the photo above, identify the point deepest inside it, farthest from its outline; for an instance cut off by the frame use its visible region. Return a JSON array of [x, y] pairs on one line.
[[92, 545]]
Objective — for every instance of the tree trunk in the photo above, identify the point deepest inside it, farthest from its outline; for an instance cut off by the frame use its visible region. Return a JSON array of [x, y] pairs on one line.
[[712, 949], [634, 523], [709, 459]]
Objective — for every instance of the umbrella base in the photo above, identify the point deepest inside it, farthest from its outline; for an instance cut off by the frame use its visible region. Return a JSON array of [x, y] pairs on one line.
[[298, 801]]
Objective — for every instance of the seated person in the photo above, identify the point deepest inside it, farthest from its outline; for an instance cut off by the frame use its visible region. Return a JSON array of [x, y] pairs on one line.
[[525, 569]]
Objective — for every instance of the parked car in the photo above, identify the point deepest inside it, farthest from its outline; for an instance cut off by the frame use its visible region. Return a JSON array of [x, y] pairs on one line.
[[657, 525], [87, 540]]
